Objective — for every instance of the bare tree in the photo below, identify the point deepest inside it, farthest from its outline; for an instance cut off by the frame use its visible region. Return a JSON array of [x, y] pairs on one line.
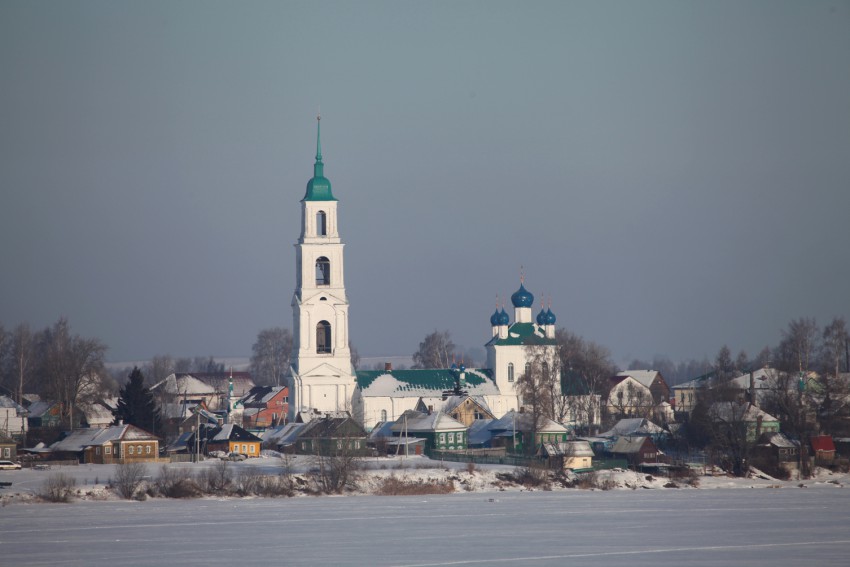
[[724, 367], [69, 364], [436, 351], [833, 393], [128, 477], [158, 369], [21, 357], [585, 371], [539, 388], [271, 355], [355, 356]]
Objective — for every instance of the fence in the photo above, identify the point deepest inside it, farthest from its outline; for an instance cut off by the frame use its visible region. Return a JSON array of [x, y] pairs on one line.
[[485, 458]]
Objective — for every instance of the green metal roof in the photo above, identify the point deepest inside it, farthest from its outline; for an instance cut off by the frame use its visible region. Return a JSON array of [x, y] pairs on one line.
[[523, 334], [433, 379], [319, 188]]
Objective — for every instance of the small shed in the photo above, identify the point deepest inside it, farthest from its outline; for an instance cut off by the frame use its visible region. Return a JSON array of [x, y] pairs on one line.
[[636, 450], [823, 449], [573, 455]]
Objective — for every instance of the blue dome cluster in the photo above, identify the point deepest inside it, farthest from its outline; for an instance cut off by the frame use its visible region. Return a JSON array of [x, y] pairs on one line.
[[522, 297], [499, 318]]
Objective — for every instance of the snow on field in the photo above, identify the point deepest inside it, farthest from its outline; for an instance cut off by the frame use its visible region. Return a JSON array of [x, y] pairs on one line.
[[606, 528]]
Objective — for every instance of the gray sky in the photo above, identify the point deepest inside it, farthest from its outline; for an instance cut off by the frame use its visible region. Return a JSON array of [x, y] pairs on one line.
[[676, 175]]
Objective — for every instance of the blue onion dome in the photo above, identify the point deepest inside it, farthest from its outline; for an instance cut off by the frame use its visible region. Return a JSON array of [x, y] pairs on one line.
[[504, 318], [550, 317], [522, 297], [542, 317], [494, 318]]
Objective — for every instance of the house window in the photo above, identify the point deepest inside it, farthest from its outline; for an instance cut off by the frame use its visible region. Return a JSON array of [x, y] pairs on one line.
[[131, 449], [139, 449], [108, 450], [7, 453], [286, 399], [147, 449], [323, 271], [451, 437], [510, 372], [323, 337], [97, 450], [442, 438], [321, 223], [251, 448], [460, 437], [383, 415], [244, 448]]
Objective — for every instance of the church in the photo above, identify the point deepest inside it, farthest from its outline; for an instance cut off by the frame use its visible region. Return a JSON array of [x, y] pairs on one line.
[[322, 378]]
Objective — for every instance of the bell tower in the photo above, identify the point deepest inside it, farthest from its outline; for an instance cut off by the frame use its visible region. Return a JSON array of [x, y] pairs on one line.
[[322, 377]]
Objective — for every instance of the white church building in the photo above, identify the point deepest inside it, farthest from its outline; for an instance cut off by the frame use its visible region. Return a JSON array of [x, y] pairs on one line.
[[322, 378]]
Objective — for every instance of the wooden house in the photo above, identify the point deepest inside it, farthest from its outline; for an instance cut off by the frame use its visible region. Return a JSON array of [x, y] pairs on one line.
[[228, 438], [264, 407], [463, 408], [331, 436], [114, 444], [636, 450], [439, 431], [8, 449]]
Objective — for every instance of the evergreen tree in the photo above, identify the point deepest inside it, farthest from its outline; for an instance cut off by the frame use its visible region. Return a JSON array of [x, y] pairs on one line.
[[136, 404]]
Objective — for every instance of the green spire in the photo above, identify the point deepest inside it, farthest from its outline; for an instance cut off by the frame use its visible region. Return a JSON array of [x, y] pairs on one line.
[[319, 188]]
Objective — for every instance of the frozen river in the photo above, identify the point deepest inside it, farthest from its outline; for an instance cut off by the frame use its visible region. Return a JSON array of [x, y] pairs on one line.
[[740, 527]]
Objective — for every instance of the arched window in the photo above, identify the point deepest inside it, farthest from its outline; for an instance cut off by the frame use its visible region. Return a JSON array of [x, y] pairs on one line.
[[323, 271], [321, 223], [527, 368], [323, 337], [383, 415], [510, 372], [545, 369]]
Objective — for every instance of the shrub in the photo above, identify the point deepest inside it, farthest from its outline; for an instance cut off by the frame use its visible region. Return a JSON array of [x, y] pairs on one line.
[[216, 479], [58, 487], [128, 478], [393, 486], [470, 467], [176, 483]]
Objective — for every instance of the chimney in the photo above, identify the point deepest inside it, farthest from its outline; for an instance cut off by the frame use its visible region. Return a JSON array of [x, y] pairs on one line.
[[388, 367]]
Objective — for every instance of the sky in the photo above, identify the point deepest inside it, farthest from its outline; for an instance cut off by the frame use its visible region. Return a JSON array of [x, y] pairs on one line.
[[674, 175]]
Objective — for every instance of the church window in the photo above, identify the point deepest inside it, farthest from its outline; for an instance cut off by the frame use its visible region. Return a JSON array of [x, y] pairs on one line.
[[510, 372], [321, 223], [383, 415], [527, 368], [323, 271], [323, 337]]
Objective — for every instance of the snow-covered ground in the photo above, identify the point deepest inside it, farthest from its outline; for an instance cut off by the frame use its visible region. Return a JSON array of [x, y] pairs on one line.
[[485, 522], [614, 528]]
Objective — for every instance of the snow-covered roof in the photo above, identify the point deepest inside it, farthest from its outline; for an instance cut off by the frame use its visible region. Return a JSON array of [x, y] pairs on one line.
[[522, 421], [413, 421], [260, 395], [98, 414], [778, 439], [733, 411], [423, 383], [381, 429], [79, 439], [38, 409], [283, 435], [183, 385], [633, 426], [569, 449], [643, 377], [7, 402], [628, 445], [479, 432]]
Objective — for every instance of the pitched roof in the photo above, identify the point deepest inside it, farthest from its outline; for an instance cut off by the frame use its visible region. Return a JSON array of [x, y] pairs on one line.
[[414, 421], [479, 432], [643, 377], [79, 439], [733, 411], [423, 382], [330, 427], [526, 334], [522, 421], [183, 384], [230, 432], [568, 449], [260, 395], [283, 435], [633, 426], [629, 445], [7, 402]]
